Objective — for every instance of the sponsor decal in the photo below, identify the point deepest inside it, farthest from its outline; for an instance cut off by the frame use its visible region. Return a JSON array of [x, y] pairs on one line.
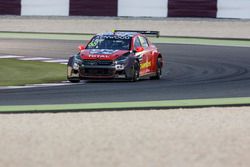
[[145, 65], [120, 36], [102, 52], [99, 56]]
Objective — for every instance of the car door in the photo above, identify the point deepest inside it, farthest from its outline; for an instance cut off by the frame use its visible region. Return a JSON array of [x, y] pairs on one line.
[[147, 64], [140, 55]]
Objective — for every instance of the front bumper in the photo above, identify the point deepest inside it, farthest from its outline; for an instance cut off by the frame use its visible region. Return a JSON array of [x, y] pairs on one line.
[[99, 72]]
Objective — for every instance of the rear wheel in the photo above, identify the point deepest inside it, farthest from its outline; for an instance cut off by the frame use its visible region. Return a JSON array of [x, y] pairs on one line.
[[158, 70]]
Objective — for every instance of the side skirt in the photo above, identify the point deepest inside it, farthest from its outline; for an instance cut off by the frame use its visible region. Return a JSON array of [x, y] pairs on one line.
[[145, 76]]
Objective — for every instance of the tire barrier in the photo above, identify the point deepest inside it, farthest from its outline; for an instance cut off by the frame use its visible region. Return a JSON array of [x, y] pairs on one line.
[[139, 8], [93, 7], [192, 8], [12, 7]]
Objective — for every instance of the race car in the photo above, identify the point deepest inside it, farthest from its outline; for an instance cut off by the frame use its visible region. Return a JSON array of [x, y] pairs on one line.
[[121, 54]]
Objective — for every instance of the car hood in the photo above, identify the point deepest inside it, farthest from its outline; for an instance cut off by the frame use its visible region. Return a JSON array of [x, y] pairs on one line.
[[101, 54]]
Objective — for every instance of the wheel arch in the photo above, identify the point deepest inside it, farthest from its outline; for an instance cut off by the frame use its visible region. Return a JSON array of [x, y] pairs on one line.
[[159, 56], [70, 61]]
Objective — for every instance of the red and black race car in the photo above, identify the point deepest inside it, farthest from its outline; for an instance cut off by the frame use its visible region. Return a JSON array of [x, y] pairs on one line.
[[117, 55]]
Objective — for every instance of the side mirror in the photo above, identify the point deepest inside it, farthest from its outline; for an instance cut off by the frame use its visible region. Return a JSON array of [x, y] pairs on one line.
[[81, 47], [139, 49]]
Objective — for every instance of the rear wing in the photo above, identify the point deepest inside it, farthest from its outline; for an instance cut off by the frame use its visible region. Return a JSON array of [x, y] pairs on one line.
[[151, 33]]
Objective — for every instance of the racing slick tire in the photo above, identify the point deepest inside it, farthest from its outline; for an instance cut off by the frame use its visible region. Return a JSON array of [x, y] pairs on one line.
[[135, 72], [75, 80], [159, 70]]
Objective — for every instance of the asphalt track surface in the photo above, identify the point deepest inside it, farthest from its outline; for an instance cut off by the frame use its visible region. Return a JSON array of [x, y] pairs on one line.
[[190, 72]]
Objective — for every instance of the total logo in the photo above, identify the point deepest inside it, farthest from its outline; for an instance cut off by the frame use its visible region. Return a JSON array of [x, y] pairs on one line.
[[99, 56]]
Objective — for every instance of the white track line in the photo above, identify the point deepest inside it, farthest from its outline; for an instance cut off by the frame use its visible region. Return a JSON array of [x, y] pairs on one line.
[[50, 84], [35, 58], [10, 56], [56, 61], [65, 83]]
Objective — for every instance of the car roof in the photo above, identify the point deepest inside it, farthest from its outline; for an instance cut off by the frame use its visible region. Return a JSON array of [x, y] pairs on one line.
[[120, 34]]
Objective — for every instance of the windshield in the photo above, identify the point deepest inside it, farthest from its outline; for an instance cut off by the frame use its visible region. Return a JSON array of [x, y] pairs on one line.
[[112, 42]]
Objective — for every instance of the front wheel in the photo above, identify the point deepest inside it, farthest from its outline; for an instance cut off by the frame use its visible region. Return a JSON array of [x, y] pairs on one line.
[[75, 80], [72, 79], [159, 70], [135, 72]]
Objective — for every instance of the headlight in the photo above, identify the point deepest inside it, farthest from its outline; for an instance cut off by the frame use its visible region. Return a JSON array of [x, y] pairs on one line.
[[120, 64], [121, 60], [77, 62], [119, 67], [77, 58], [76, 66]]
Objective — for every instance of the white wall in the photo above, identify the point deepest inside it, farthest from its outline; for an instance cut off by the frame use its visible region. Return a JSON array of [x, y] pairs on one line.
[[233, 9], [144, 8], [150, 8], [45, 7]]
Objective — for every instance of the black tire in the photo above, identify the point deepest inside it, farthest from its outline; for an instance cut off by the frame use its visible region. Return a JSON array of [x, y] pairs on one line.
[[74, 80], [136, 72], [159, 70]]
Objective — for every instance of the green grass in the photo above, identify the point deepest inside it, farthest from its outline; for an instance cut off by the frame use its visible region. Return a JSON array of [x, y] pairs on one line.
[[17, 72]]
